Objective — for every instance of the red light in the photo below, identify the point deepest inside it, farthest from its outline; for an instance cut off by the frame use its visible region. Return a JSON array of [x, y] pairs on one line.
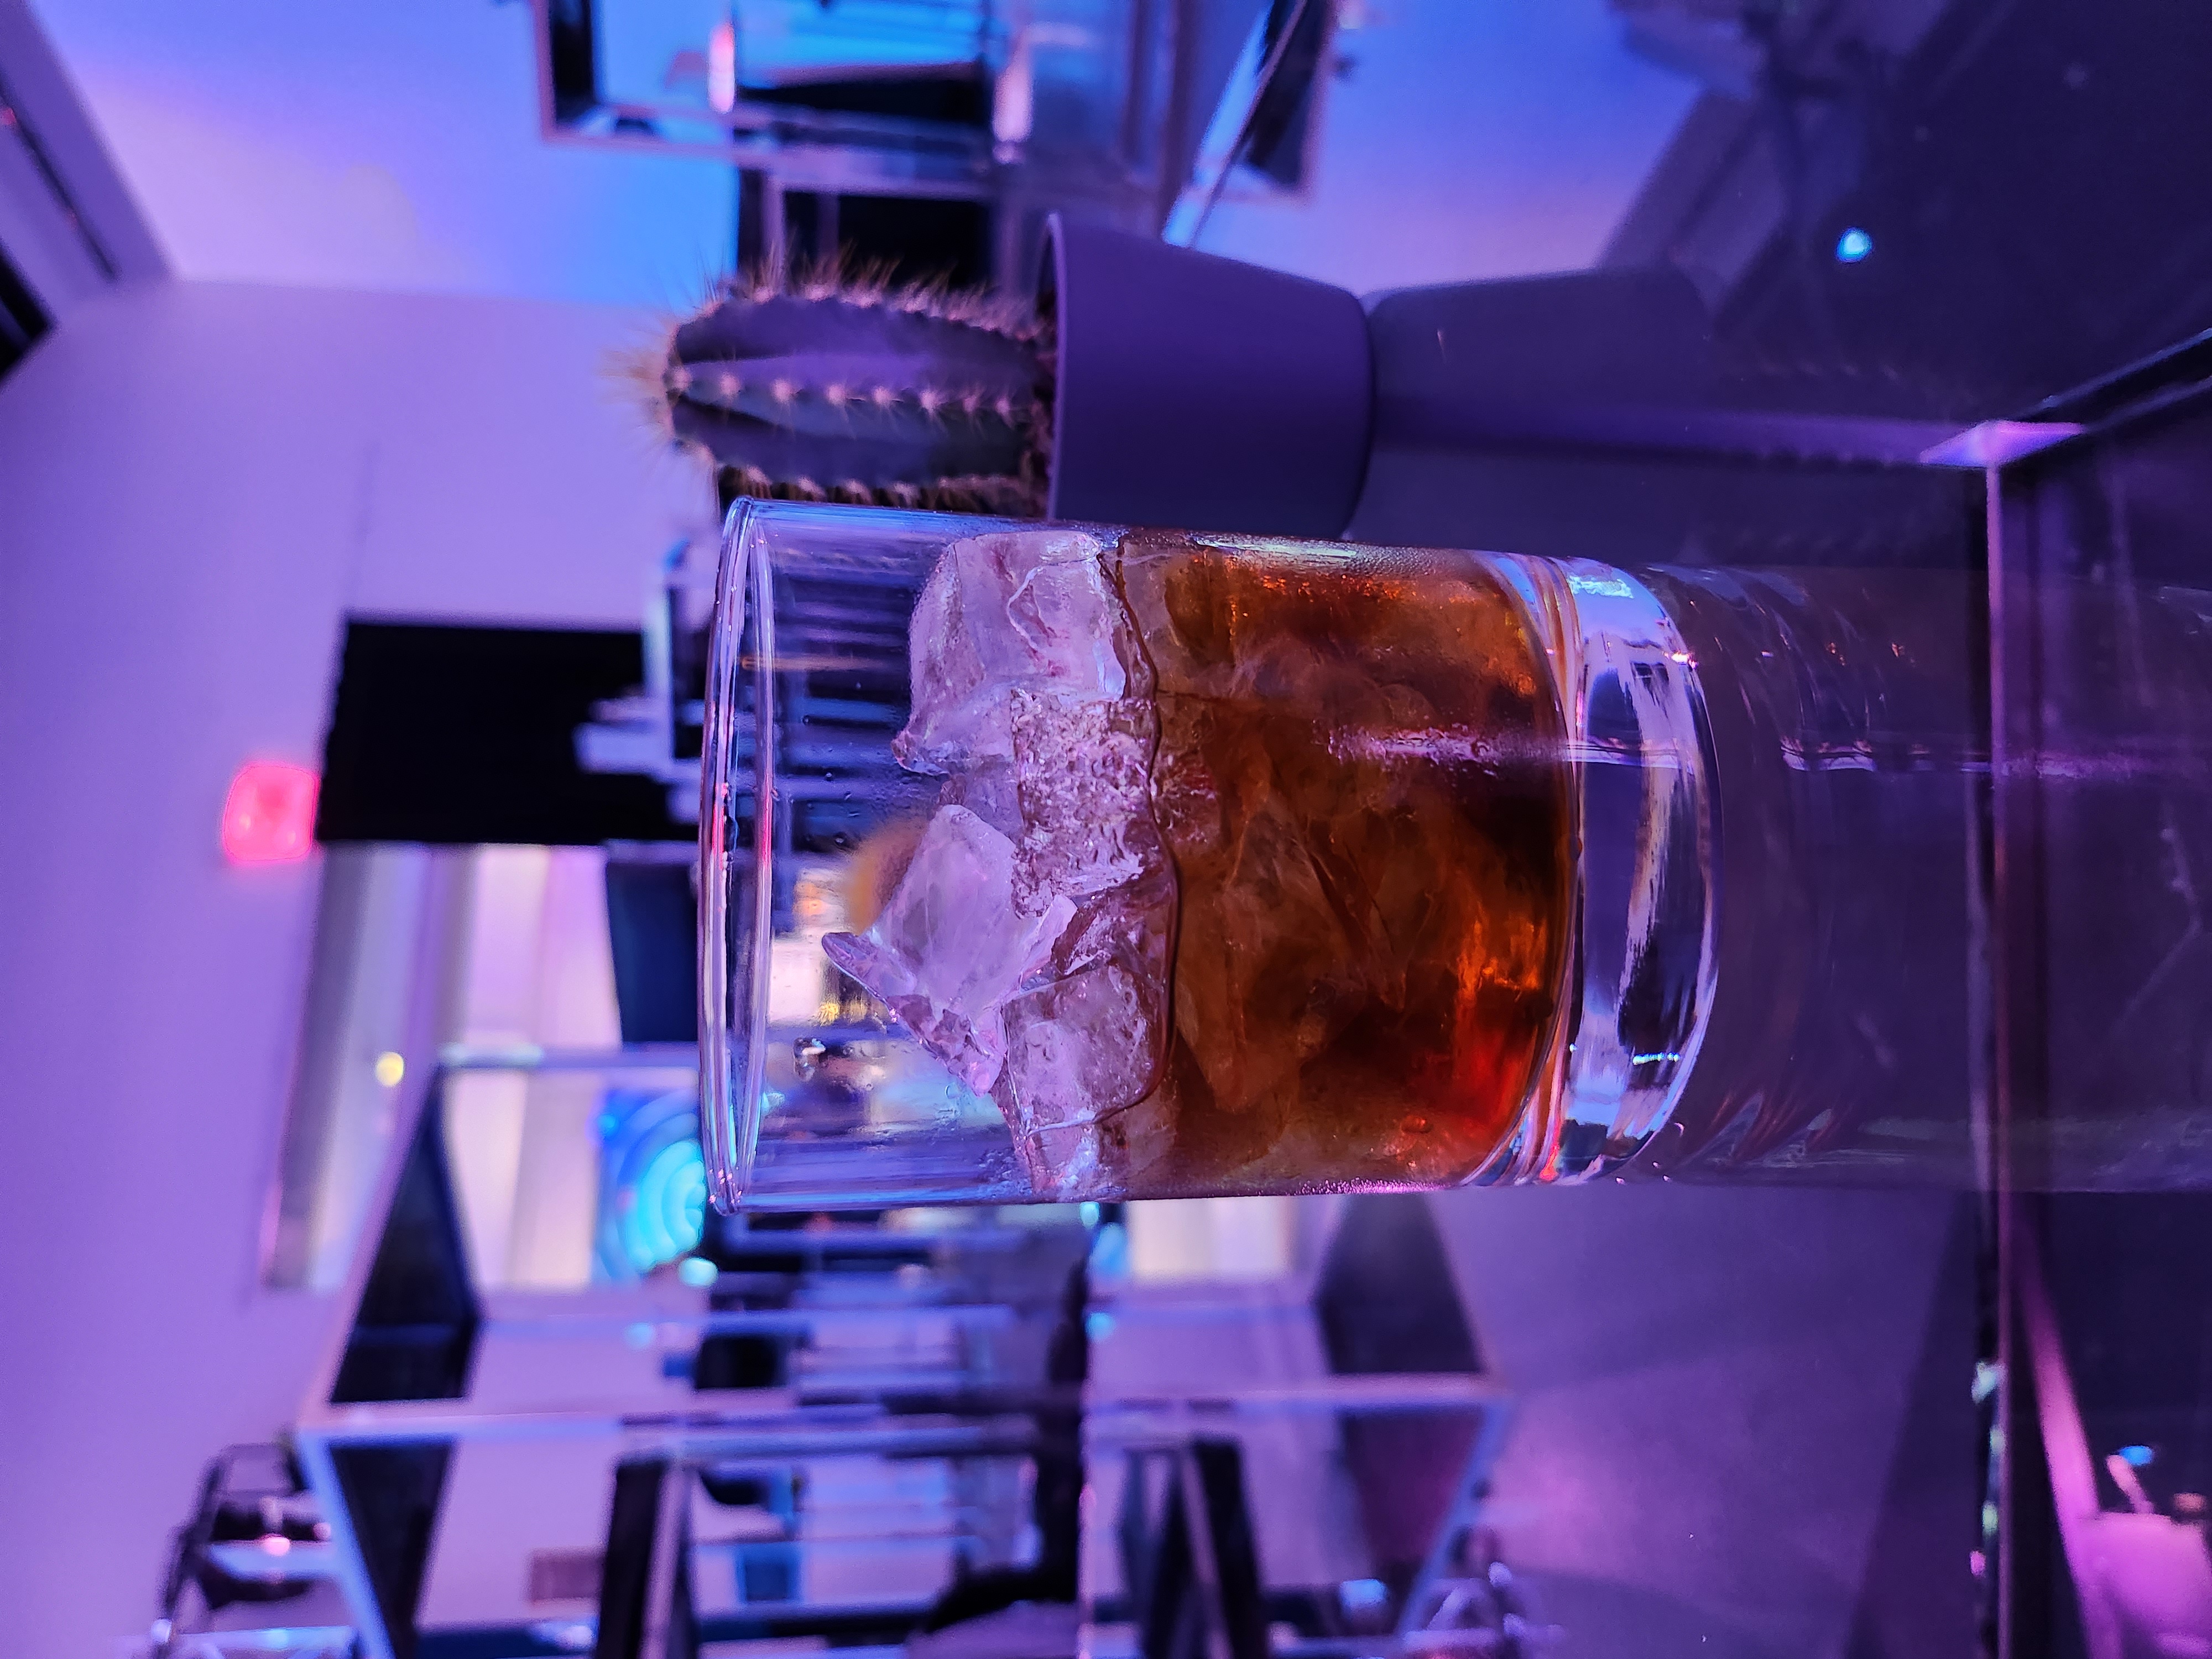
[[269, 818]]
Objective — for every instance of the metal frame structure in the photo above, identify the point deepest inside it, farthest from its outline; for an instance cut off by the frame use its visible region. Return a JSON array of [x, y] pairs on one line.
[[996, 1425], [2050, 1532], [1170, 1425], [69, 225], [1130, 161], [890, 155], [768, 1429], [925, 1414], [843, 1416], [794, 151], [1227, 138]]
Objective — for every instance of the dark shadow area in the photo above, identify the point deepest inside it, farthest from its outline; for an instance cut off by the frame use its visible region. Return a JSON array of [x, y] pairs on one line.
[[459, 735]]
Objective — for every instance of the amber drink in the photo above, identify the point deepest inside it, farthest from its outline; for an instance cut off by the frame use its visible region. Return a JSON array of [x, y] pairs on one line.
[[1218, 865]]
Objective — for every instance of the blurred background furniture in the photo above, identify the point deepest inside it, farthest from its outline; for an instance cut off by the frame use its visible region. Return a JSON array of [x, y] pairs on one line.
[[868, 1427], [251, 1570], [1333, 1436], [925, 136]]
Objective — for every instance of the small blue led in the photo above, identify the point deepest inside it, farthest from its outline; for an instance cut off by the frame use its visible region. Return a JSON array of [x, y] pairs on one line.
[[1853, 245], [2137, 1457], [696, 1271], [1363, 1594]]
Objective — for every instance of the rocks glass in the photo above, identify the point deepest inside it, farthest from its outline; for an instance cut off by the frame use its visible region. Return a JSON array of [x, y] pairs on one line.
[[1068, 862]]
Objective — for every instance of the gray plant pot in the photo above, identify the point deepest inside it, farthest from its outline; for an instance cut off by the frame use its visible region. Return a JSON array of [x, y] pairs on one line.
[[1199, 392]]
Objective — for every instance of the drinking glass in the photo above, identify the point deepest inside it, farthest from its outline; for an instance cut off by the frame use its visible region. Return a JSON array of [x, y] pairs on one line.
[[1051, 863]]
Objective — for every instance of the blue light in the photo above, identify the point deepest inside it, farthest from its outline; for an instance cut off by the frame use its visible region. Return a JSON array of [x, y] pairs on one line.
[[1853, 245], [652, 1183], [1363, 1594], [1109, 1253], [665, 1221], [2137, 1457]]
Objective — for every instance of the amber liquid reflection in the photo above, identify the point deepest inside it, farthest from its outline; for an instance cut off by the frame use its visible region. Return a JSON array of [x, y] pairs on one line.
[[1361, 781]]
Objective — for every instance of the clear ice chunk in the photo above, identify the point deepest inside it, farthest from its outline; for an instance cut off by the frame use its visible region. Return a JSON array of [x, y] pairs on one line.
[[1081, 772], [1029, 610], [952, 945], [1084, 1049], [990, 791], [1028, 943], [1081, 1054]]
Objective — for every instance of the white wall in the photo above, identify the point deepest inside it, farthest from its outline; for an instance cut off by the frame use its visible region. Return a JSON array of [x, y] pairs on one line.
[[196, 484], [1465, 141], [392, 145]]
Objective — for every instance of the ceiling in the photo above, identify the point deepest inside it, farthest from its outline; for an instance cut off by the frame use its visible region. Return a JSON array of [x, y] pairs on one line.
[[392, 145], [396, 145], [2027, 172]]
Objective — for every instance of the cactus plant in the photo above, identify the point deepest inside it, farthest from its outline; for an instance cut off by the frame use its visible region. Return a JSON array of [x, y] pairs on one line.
[[838, 387]]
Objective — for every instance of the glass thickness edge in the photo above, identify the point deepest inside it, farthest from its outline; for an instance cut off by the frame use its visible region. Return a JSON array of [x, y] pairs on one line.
[[729, 1124]]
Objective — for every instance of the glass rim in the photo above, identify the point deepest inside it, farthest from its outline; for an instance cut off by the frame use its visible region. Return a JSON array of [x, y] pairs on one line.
[[729, 1115]]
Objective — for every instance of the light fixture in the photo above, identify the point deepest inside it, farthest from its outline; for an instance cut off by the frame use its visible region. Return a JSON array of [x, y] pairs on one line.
[[268, 816], [722, 68]]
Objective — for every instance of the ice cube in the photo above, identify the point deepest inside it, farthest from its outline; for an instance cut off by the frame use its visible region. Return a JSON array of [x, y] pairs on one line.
[[989, 791], [949, 700], [1132, 924], [1081, 771], [1033, 610], [951, 944], [1030, 691], [1081, 1053], [1085, 1045], [1067, 630], [1121, 1152]]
